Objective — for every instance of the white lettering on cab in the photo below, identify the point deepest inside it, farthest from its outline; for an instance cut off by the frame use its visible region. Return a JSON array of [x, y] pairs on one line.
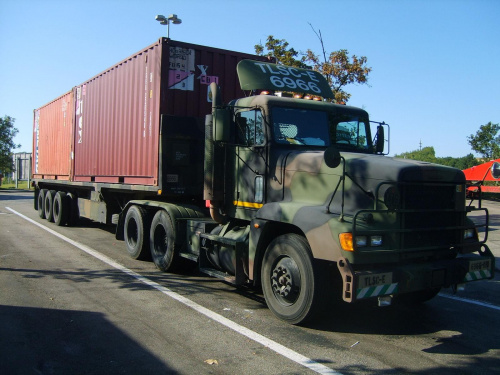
[[282, 77]]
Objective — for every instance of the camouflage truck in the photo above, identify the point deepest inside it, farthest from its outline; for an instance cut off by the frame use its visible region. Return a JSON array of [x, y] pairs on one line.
[[306, 198], [288, 192]]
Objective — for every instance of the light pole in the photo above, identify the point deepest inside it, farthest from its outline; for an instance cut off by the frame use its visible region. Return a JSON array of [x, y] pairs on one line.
[[166, 21]]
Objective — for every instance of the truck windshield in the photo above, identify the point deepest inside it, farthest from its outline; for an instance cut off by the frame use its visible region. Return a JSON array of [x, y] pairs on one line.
[[308, 127]]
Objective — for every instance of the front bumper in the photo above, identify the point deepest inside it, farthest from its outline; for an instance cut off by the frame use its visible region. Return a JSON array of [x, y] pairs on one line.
[[407, 278]]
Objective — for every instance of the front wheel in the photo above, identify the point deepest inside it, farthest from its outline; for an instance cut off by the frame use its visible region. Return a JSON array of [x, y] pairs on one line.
[[291, 285]]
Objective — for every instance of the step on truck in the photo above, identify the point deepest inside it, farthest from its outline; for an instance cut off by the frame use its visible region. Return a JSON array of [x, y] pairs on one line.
[[278, 188]]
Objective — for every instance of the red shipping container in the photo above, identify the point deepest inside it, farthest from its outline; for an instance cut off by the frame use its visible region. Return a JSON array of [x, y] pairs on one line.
[[118, 113], [140, 122], [53, 139]]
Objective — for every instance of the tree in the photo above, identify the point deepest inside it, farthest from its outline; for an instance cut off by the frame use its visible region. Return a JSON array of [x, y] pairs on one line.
[[278, 48], [339, 69], [7, 134], [425, 154], [429, 155], [486, 141]]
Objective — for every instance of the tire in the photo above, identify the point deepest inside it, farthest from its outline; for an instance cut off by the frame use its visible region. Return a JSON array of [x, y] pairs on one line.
[[48, 205], [162, 243], [74, 213], [293, 288], [136, 231], [60, 209], [41, 203]]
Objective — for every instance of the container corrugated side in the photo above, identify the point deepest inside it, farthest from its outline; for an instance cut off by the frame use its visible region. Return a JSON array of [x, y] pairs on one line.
[[53, 139], [117, 122], [191, 69], [187, 72]]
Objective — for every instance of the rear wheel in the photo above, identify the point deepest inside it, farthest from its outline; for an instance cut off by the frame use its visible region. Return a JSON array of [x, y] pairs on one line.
[[60, 208], [41, 203], [136, 231], [74, 214], [292, 287], [164, 251], [48, 205]]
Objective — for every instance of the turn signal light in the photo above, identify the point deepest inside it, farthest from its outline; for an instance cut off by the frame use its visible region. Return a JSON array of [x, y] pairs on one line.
[[346, 241]]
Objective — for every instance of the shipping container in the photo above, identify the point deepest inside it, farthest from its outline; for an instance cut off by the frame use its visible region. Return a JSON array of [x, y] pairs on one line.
[[53, 139], [140, 122]]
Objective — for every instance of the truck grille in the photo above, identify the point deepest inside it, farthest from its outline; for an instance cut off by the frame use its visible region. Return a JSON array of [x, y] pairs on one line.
[[428, 196], [425, 219], [428, 216]]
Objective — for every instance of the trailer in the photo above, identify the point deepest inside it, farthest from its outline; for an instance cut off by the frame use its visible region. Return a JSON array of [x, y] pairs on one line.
[[277, 187]]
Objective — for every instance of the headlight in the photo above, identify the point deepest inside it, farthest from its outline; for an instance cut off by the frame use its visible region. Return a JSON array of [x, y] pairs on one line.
[[347, 241], [361, 241], [376, 241], [469, 233]]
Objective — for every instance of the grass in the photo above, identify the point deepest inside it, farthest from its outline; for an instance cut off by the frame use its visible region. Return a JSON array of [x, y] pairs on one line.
[[6, 185]]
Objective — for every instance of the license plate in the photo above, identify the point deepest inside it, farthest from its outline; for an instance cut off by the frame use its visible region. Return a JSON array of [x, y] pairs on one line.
[[480, 265], [369, 280]]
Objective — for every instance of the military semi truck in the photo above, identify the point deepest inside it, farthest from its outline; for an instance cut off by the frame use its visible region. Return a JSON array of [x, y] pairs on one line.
[[279, 188]]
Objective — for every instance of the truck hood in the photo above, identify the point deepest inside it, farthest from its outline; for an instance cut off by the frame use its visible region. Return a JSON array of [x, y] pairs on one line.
[[307, 179]]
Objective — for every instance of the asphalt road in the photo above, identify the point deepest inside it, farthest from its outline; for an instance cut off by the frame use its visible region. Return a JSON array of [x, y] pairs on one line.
[[73, 302]]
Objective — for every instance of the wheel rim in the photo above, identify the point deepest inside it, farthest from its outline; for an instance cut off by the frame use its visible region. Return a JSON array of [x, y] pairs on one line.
[[160, 241], [285, 281]]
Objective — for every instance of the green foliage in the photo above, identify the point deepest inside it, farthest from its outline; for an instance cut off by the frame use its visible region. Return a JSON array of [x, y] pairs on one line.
[[7, 134], [486, 141], [339, 68], [429, 155], [278, 48], [426, 154]]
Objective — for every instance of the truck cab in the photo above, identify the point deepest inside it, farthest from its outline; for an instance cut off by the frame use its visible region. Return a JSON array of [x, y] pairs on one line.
[[309, 181]]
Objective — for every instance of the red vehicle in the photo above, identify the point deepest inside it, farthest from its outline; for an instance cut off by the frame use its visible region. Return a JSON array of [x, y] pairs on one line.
[[476, 176]]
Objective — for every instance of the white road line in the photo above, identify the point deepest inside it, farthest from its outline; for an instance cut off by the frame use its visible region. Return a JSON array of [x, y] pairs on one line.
[[273, 345], [471, 301]]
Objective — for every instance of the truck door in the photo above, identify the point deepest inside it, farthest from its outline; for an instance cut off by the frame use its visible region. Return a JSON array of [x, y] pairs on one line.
[[250, 163]]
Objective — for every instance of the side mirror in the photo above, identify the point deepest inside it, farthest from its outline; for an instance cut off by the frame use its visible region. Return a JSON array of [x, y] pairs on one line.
[[379, 146], [495, 170], [332, 157], [222, 122], [221, 117]]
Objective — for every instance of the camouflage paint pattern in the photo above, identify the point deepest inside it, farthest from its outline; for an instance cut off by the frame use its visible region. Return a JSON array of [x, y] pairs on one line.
[[300, 186]]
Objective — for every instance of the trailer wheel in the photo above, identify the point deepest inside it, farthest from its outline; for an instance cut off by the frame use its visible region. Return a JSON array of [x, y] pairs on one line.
[[136, 231], [60, 208], [162, 243], [292, 287], [74, 214], [41, 203], [48, 205]]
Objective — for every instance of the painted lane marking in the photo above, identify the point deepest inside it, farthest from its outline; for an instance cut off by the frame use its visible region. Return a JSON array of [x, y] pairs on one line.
[[471, 301], [268, 343]]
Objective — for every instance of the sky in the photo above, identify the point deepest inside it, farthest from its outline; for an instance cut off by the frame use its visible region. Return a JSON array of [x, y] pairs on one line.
[[435, 63]]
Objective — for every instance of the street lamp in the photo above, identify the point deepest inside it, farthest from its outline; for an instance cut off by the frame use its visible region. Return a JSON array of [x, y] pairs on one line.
[[166, 21]]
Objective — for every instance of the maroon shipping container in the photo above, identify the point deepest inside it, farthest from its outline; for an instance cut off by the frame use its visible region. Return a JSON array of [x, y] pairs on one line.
[[141, 122], [53, 139]]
